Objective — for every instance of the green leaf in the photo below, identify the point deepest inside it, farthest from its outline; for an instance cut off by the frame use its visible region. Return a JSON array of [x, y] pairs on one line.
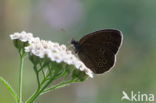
[[10, 89]]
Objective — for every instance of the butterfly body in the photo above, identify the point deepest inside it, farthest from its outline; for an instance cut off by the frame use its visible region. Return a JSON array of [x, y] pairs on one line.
[[98, 50]]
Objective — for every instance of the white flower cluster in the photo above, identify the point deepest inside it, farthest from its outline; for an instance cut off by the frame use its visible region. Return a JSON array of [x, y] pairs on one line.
[[54, 51], [23, 36]]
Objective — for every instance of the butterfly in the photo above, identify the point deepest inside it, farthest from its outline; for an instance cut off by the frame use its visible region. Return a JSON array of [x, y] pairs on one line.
[[98, 50]]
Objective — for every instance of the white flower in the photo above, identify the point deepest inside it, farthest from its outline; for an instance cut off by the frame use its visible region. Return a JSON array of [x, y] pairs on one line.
[[58, 53], [54, 51], [23, 36]]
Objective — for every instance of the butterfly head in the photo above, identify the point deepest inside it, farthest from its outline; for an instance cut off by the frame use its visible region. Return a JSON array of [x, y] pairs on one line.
[[76, 45]]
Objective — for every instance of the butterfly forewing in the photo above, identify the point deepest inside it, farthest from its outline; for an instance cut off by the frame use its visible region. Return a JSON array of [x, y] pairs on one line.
[[109, 38]]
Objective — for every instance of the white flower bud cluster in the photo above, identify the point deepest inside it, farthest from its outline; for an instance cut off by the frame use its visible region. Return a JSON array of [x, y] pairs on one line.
[[54, 51]]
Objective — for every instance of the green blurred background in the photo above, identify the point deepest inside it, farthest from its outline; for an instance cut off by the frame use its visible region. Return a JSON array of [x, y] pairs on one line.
[[62, 20]]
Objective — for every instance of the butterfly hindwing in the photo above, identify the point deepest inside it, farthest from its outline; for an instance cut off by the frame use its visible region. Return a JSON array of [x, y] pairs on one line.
[[98, 59]]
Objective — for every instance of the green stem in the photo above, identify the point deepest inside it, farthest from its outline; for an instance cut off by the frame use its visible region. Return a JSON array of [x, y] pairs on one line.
[[43, 73], [37, 76], [57, 86], [38, 92], [21, 78], [45, 83], [32, 98]]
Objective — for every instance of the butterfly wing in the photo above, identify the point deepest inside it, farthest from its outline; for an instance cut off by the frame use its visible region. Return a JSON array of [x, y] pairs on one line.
[[96, 58], [109, 38], [98, 49]]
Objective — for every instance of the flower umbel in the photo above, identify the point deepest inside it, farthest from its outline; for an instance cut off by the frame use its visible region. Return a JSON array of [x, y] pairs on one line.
[[56, 52], [23, 36], [51, 61]]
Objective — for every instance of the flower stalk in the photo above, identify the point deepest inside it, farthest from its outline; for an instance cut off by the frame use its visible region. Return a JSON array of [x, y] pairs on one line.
[[21, 78]]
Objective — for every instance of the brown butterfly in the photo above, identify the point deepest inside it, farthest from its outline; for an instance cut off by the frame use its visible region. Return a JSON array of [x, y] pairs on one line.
[[98, 50]]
